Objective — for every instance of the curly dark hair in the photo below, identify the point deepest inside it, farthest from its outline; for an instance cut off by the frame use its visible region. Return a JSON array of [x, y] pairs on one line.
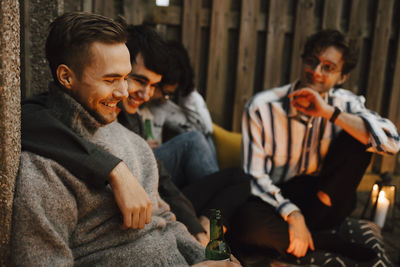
[[319, 41], [144, 40], [180, 70]]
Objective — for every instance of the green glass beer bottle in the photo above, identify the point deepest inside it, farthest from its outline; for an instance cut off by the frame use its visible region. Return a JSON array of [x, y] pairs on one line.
[[217, 248], [148, 133]]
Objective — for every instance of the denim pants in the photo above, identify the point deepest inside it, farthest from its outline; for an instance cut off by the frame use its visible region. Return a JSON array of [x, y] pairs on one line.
[[188, 157]]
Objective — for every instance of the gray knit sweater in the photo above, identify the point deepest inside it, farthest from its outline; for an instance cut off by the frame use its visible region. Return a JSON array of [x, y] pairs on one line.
[[59, 221]]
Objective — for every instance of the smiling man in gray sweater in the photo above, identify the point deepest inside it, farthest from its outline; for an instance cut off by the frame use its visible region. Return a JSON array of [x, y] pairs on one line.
[[58, 220]]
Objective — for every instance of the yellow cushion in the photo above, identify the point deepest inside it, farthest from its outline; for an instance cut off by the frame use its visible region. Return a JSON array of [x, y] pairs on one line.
[[227, 145]]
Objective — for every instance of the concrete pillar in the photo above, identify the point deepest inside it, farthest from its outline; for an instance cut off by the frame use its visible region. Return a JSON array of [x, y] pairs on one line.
[[36, 18], [9, 116], [25, 72]]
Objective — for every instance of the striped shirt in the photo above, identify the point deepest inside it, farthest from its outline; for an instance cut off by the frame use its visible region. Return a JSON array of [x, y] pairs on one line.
[[280, 143]]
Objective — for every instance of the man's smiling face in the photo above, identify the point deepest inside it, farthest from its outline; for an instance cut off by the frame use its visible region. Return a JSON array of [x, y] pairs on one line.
[[103, 82], [141, 85], [324, 71]]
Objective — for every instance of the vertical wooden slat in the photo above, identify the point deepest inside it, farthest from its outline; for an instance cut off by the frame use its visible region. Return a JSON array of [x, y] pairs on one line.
[[332, 14], [357, 33], [162, 30], [191, 31], [304, 26], [217, 60], [87, 5], [275, 43], [379, 54], [246, 60], [105, 8], [134, 11], [389, 163]]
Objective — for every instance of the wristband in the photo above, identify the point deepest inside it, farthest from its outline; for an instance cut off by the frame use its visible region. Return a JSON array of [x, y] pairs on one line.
[[335, 114]]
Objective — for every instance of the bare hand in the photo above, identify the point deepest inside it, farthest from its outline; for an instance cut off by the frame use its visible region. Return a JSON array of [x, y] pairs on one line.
[[311, 103], [202, 238], [205, 222], [131, 198], [218, 264], [299, 236], [153, 143]]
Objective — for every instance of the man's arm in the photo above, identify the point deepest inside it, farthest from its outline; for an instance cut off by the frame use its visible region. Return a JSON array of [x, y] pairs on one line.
[[45, 214], [257, 156], [378, 133], [44, 135], [48, 137], [311, 103], [131, 198], [255, 153], [365, 126], [180, 205]]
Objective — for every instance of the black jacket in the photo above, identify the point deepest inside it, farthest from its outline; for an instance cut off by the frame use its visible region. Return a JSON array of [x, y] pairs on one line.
[[48, 137]]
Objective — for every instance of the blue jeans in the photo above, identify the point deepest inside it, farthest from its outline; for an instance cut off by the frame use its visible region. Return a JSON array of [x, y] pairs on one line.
[[188, 157]]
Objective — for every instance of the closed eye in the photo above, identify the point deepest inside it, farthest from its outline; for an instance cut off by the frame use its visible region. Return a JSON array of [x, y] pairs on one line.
[[109, 81], [141, 82]]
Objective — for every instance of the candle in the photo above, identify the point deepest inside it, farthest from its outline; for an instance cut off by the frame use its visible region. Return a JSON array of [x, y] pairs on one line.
[[381, 209], [374, 194]]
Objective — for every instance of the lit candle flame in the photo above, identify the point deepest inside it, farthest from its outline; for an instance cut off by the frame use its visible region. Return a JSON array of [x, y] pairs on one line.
[[381, 196], [374, 193]]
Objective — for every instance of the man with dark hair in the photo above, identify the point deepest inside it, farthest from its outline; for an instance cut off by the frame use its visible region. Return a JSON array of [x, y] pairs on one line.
[[44, 135], [58, 219], [307, 146], [177, 109]]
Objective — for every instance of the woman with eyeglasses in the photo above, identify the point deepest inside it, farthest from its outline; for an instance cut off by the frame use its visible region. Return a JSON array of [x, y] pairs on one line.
[[176, 105]]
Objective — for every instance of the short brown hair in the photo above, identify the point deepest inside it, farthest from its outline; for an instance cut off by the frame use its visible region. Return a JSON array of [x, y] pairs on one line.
[[320, 41], [71, 35]]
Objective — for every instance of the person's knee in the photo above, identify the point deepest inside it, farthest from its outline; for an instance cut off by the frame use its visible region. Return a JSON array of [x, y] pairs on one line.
[[346, 148], [195, 135], [237, 176], [352, 145], [195, 139], [256, 223]]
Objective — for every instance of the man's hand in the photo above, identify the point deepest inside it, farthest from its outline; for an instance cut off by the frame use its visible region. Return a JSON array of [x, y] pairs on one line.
[[130, 197], [311, 103], [299, 236], [205, 222], [233, 263], [202, 238]]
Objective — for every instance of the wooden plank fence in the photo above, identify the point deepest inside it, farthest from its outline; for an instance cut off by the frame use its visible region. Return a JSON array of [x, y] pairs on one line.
[[238, 47]]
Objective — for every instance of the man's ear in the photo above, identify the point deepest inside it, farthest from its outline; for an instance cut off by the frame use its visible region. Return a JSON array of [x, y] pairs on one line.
[[343, 78], [65, 76]]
